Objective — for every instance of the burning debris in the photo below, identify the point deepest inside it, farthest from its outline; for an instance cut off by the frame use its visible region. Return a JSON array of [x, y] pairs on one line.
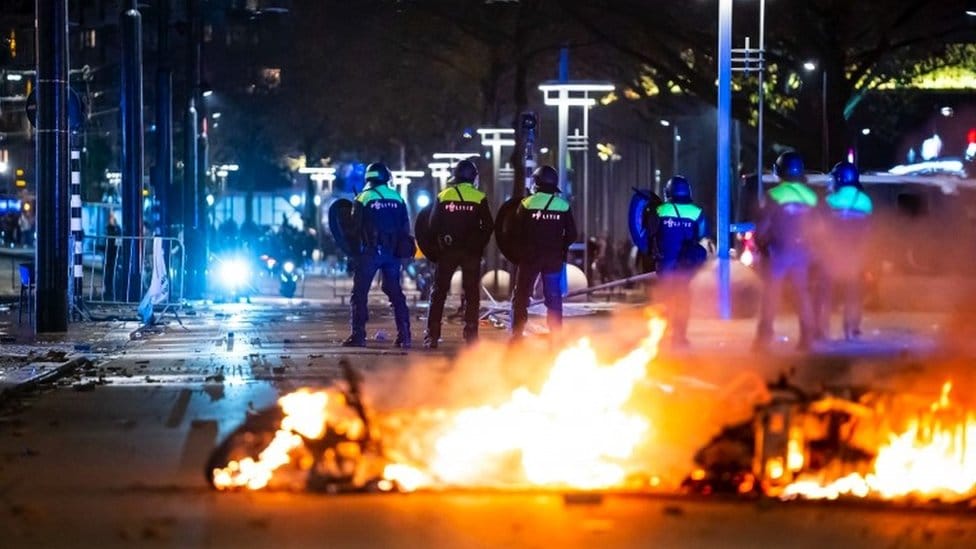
[[587, 426], [577, 431], [315, 440], [863, 444]]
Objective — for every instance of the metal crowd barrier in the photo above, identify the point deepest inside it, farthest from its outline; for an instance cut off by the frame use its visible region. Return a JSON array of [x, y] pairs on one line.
[[106, 258]]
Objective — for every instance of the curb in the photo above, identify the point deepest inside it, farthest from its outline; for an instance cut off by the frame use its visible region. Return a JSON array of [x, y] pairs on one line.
[[44, 375]]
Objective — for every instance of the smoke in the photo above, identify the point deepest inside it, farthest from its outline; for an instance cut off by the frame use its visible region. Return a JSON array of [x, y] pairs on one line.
[[684, 401]]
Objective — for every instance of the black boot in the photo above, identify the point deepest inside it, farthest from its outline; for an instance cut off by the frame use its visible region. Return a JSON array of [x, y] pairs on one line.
[[403, 340], [355, 341], [431, 341]]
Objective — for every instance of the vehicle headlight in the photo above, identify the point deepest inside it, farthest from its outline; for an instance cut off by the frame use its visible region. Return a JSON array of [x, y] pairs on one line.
[[234, 273], [289, 267]]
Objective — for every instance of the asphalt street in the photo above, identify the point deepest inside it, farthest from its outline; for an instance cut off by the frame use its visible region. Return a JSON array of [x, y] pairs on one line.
[[113, 455]]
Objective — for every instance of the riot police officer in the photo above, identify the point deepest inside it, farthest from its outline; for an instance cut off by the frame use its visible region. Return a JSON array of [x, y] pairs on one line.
[[848, 212], [380, 221], [546, 228], [784, 233], [680, 226], [461, 225]]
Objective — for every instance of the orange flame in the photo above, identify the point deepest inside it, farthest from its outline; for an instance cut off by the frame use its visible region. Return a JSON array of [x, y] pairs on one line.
[[574, 432], [308, 414], [934, 457]]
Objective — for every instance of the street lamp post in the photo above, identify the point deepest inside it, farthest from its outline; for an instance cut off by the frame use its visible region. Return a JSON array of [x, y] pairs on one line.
[[675, 142], [323, 177], [723, 156], [320, 175], [496, 138], [402, 179], [441, 171], [811, 66], [455, 157], [574, 93]]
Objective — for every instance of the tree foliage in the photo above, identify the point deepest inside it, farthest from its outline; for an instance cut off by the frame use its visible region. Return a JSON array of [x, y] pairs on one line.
[[857, 47]]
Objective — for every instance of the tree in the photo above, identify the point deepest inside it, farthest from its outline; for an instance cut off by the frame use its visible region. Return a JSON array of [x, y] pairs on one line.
[[857, 47]]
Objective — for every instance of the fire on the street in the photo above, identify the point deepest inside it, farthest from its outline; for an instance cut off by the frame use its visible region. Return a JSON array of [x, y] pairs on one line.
[[308, 415], [574, 432], [577, 431], [581, 428], [932, 458]]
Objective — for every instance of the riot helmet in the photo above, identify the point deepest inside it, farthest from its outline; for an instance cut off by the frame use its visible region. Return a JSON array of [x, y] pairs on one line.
[[844, 174], [378, 174], [789, 167], [545, 179], [677, 190], [465, 172]]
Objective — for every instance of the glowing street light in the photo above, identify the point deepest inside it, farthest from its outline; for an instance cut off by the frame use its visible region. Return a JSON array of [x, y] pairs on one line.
[[564, 94], [402, 179], [441, 171], [496, 138], [320, 175], [723, 157], [454, 158]]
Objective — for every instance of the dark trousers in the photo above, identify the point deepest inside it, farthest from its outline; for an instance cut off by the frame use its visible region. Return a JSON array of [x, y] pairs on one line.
[[525, 276], [676, 290], [470, 265], [850, 287], [794, 266], [365, 269]]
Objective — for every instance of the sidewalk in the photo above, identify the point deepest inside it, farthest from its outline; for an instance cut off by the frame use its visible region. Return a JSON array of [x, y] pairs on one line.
[[27, 359]]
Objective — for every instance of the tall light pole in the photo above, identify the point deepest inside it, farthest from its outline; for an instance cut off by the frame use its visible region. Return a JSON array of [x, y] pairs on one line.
[[402, 179], [496, 138], [574, 93], [675, 142], [51, 157], [455, 157], [441, 171], [723, 156], [811, 66], [322, 177]]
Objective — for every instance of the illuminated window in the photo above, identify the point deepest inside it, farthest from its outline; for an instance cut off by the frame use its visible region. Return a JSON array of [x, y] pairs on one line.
[[12, 40], [208, 33], [89, 38], [271, 77]]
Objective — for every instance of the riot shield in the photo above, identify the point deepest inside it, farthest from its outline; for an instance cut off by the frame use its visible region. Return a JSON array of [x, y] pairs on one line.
[[506, 234], [426, 240], [342, 227], [642, 217]]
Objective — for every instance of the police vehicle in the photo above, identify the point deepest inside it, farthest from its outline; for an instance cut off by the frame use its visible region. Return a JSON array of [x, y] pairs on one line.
[[924, 217]]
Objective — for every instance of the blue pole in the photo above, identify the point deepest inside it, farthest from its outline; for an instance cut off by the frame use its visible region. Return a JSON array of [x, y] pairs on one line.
[[51, 167], [723, 155]]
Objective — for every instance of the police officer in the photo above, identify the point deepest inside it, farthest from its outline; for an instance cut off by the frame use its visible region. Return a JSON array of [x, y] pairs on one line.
[[680, 226], [461, 225], [546, 228], [841, 262], [380, 221], [783, 232]]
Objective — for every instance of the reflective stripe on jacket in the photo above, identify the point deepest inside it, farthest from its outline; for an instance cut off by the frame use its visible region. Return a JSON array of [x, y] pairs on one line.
[[461, 219], [850, 202], [546, 229]]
